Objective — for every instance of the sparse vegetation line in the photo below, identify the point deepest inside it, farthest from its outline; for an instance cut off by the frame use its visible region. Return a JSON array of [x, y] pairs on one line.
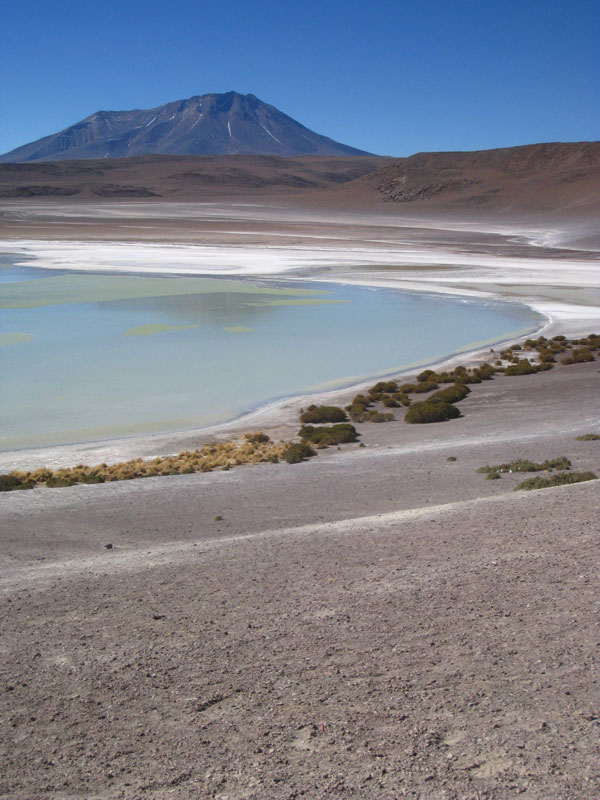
[[328, 425]]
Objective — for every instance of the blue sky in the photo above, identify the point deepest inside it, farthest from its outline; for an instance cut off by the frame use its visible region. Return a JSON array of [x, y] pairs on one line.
[[389, 77]]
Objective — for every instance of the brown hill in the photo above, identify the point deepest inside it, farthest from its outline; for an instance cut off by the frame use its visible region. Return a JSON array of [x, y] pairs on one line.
[[557, 177], [551, 176]]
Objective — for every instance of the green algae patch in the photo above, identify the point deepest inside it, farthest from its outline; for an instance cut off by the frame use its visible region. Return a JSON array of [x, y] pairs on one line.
[[15, 338], [66, 289], [155, 327], [238, 329]]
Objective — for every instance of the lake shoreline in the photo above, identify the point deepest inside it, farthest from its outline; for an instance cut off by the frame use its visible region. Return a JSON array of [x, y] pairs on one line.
[[516, 276]]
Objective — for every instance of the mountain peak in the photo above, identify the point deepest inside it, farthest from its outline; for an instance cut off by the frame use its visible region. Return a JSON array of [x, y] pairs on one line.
[[208, 124]]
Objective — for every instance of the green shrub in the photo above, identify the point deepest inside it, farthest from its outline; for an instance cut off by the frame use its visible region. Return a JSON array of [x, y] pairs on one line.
[[588, 437], [521, 367], [296, 453], [257, 438], [525, 465], [360, 400], [356, 413], [377, 416], [326, 435], [384, 387], [431, 412], [426, 376], [451, 458], [578, 356], [390, 402], [485, 371], [323, 414], [452, 394], [59, 483], [426, 386], [556, 480], [11, 483], [470, 377], [95, 478]]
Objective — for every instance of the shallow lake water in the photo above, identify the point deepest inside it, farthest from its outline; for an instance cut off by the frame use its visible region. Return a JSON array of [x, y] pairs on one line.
[[95, 356]]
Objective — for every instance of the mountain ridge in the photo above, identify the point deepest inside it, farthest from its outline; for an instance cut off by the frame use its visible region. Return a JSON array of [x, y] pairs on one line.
[[209, 124]]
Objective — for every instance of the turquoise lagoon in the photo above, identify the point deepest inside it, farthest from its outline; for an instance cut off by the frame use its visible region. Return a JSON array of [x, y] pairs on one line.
[[88, 356]]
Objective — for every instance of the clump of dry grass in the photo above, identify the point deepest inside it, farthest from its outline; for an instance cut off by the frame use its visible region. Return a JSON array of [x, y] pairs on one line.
[[254, 448], [560, 479], [525, 465]]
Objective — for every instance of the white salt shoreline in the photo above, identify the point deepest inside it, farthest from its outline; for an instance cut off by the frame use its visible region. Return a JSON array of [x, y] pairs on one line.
[[559, 275]]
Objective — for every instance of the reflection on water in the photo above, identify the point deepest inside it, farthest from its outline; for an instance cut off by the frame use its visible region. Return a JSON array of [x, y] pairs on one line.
[[100, 356]]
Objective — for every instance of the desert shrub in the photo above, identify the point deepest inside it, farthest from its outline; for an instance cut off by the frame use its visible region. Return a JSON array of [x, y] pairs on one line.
[[451, 458], [579, 356], [485, 371], [329, 434], [323, 414], [360, 400], [376, 416], [296, 453], [426, 386], [559, 338], [560, 479], [384, 387], [525, 465], [11, 482], [356, 413], [407, 388], [426, 375], [257, 438], [390, 402], [492, 476], [452, 394], [93, 479], [522, 367], [588, 437], [59, 483], [470, 377], [427, 411], [547, 356]]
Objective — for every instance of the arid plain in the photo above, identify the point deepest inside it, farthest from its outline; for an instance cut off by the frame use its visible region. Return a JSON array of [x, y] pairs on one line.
[[379, 621]]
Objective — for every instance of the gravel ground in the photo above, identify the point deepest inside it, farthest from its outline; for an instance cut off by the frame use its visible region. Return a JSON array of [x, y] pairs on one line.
[[379, 622]]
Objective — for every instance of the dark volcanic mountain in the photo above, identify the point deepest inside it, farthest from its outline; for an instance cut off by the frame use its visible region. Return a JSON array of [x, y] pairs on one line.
[[214, 124]]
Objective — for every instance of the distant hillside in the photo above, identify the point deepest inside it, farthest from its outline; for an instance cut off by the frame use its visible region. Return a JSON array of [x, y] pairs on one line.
[[219, 124], [541, 177], [538, 176], [182, 177]]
